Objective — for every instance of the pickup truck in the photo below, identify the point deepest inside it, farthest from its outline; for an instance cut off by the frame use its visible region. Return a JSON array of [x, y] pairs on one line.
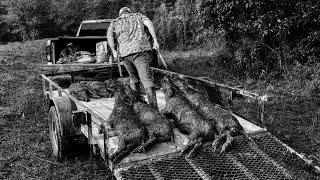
[[89, 33]]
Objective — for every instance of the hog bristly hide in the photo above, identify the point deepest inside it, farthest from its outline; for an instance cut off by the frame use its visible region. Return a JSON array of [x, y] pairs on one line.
[[225, 123], [79, 91], [158, 127], [190, 122], [97, 89], [128, 127]]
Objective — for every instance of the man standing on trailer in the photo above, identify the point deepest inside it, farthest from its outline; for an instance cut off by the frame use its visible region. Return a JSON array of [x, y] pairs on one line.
[[135, 49]]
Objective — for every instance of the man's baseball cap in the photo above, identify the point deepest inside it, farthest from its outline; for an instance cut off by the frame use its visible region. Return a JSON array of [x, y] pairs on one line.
[[70, 44], [124, 9]]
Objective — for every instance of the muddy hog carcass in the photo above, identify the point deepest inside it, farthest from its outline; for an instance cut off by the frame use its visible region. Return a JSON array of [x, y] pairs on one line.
[[111, 85], [128, 127], [187, 119], [225, 123], [79, 91], [158, 127], [97, 89]]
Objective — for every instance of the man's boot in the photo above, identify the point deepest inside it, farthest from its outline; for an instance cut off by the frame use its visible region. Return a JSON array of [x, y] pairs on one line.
[[152, 99], [136, 87]]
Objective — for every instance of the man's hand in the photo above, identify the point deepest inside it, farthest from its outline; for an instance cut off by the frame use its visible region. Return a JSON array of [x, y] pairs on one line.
[[115, 55], [155, 45]]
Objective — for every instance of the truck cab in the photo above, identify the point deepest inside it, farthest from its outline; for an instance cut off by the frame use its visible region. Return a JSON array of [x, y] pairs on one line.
[[89, 33]]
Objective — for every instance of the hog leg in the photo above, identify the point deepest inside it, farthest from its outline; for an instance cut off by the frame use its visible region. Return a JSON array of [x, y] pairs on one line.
[[228, 142], [247, 136], [196, 146], [192, 140], [172, 140], [93, 94], [126, 150], [121, 147], [141, 148], [216, 142]]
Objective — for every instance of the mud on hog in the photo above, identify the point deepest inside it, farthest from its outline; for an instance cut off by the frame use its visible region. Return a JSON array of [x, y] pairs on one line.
[[187, 119], [226, 124], [128, 127], [79, 91], [158, 127], [97, 89]]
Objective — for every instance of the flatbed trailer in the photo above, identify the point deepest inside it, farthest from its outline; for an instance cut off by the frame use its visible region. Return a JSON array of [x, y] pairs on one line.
[[268, 158]]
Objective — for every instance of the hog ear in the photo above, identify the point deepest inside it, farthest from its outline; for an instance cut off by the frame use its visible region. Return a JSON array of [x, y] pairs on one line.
[[166, 78]]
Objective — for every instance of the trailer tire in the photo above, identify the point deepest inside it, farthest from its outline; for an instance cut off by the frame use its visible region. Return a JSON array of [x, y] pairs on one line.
[[59, 141], [61, 127]]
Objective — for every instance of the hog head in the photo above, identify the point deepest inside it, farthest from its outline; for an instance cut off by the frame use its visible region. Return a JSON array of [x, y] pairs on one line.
[[121, 97], [111, 84], [79, 91], [167, 87]]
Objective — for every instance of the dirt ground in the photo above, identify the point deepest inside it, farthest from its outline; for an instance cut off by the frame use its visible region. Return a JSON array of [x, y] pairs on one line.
[[25, 150]]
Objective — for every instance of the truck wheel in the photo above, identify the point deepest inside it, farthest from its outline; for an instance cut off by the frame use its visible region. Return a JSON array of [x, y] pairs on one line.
[[59, 141]]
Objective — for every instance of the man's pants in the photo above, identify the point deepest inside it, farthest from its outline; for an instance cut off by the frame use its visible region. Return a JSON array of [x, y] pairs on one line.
[[138, 67]]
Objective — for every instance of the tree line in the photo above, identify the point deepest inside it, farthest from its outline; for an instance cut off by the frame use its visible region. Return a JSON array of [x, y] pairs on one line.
[[251, 36]]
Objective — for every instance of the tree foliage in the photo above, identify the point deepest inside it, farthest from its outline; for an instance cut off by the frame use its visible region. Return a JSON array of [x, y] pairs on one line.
[[26, 19], [265, 34], [255, 36]]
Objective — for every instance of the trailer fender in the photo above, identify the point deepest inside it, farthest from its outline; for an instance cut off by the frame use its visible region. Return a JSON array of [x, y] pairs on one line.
[[64, 108], [61, 127]]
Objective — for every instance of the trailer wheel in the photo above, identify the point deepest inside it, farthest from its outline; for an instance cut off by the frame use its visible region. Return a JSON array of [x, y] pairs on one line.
[[61, 128], [59, 141]]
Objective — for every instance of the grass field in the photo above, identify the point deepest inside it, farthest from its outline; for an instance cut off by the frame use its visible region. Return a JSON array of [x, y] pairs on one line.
[[25, 150]]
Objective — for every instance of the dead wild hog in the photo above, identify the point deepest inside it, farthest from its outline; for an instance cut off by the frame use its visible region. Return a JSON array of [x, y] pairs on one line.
[[79, 91], [225, 123], [111, 85], [158, 127], [128, 127], [187, 119], [97, 89]]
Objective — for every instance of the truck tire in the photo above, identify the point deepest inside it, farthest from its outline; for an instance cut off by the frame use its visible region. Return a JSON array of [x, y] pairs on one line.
[[61, 127]]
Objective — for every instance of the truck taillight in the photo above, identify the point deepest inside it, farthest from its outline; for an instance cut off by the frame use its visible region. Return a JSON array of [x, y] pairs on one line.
[[48, 50]]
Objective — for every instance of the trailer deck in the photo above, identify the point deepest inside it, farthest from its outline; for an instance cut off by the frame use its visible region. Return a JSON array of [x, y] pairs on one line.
[[104, 107], [267, 158]]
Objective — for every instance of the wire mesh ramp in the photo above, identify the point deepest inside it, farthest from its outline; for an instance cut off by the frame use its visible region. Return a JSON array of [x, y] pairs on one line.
[[269, 158]]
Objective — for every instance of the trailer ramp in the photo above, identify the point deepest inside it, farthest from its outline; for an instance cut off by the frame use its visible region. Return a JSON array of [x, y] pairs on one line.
[[267, 159]]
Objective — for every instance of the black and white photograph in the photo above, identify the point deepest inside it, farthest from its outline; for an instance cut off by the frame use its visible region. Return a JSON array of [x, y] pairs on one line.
[[160, 89]]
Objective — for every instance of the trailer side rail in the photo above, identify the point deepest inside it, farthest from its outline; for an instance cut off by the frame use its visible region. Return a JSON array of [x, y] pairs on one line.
[[260, 98]]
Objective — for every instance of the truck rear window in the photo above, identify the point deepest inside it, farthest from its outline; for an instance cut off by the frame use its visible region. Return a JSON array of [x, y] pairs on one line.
[[94, 29]]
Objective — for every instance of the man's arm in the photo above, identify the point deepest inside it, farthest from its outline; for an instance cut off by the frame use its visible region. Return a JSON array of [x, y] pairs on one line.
[[111, 43], [150, 27]]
